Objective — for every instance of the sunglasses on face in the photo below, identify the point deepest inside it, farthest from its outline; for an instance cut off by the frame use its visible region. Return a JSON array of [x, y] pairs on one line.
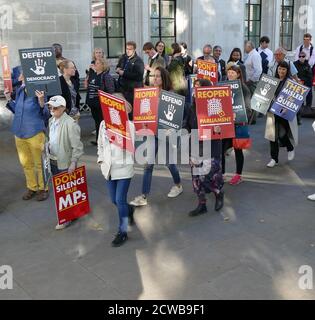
[[53, 108], [302, 56]]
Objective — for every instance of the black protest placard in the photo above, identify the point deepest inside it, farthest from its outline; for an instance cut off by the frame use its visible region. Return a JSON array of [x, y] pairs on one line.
[[238, 101], [264, 93], [171, 110], [40, 71]]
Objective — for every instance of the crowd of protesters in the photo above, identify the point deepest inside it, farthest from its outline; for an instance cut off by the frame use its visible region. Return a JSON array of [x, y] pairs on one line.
[[57, 121]]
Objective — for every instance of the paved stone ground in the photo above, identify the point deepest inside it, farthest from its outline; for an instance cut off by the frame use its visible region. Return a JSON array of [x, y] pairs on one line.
[[256, 255]]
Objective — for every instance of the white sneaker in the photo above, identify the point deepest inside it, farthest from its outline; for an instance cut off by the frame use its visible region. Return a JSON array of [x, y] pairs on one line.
[[62, 226], [175, 191], [291, 155], [93, 133], [139, 201], [311, 197], [272, 164]]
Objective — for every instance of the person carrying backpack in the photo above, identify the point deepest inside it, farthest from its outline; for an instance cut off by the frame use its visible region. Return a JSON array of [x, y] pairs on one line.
[[265, 53], [308, 48]]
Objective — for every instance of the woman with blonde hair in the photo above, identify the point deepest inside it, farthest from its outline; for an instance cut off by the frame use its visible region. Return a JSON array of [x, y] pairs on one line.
[[176, 69], [99, 80], [69, 89], [98, 53]]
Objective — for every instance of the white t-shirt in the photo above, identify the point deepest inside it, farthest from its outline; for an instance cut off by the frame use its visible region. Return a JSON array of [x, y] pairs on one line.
[[253, 66]]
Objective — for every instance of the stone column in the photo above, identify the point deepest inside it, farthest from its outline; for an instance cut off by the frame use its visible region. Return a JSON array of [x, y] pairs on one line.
[[217, 23]]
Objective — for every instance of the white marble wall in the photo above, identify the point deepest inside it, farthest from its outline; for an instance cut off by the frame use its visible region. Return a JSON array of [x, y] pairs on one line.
[[217, 22], [38, 23]]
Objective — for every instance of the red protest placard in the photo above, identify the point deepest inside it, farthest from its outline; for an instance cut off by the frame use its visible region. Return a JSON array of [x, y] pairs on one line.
[[207, 70], [116, 121], [6, 71], [215, 113], [71, 195], [145, 110]]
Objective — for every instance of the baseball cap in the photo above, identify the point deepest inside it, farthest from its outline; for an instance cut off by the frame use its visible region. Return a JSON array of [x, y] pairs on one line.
[[57, 101]]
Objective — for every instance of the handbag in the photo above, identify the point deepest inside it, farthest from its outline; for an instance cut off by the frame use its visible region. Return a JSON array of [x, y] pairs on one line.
[[242, 138], [242, 143]]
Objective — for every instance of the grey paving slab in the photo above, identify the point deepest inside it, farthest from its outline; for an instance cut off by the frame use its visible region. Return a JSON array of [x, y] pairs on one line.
[[16, 293], [244, 283], [64, 280], [254, 255]]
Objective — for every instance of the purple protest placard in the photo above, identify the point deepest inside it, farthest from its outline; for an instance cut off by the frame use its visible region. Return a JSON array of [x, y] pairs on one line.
[[289, 100]]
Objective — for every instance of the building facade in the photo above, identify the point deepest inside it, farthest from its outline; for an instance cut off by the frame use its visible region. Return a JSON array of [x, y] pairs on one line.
[[80, 25]]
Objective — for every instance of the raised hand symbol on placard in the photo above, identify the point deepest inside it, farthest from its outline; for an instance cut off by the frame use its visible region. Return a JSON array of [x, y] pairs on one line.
[[171, 112], [40, 65], [265, 90]]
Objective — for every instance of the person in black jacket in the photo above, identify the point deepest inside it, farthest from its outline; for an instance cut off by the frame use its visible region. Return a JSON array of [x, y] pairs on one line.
[[160, 47], [279, 131], [188, 61], [305, 74], [234, 73], [98, 53], [176, 69], [236, 57], [207, 53], [59, 58], [217, 51], [130, 69], [99, 80], [68, 88], [211, 180]]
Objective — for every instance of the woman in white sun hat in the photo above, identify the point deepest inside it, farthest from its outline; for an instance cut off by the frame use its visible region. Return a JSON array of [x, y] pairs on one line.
[[65, 146]]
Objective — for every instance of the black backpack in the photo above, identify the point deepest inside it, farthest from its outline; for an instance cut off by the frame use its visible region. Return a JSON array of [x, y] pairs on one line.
[[311, 51], [264, 61]]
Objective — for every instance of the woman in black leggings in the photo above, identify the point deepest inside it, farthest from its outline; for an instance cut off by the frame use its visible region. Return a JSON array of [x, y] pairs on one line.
[[235, 73], [281, 132]]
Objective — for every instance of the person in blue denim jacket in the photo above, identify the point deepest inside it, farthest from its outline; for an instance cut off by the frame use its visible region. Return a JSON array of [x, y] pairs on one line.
[[29, 126]]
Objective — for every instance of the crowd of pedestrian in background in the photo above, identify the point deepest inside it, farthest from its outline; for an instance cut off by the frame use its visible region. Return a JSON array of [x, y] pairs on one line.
[[55, 120]]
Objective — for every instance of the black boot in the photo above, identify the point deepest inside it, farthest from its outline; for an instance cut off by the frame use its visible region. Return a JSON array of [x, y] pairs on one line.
[[219, 201], [130, 216], [201, 209], [120, 239]]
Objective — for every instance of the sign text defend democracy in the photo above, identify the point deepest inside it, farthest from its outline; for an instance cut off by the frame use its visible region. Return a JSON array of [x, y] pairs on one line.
[[38, 54]]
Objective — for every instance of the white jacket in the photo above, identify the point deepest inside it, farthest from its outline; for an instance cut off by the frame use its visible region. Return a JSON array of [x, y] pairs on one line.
[[116, 163], [70, 145], [270, 131]]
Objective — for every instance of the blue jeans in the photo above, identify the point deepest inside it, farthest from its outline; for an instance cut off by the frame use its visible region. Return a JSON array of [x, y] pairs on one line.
[[118, 191], [148, 172]]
